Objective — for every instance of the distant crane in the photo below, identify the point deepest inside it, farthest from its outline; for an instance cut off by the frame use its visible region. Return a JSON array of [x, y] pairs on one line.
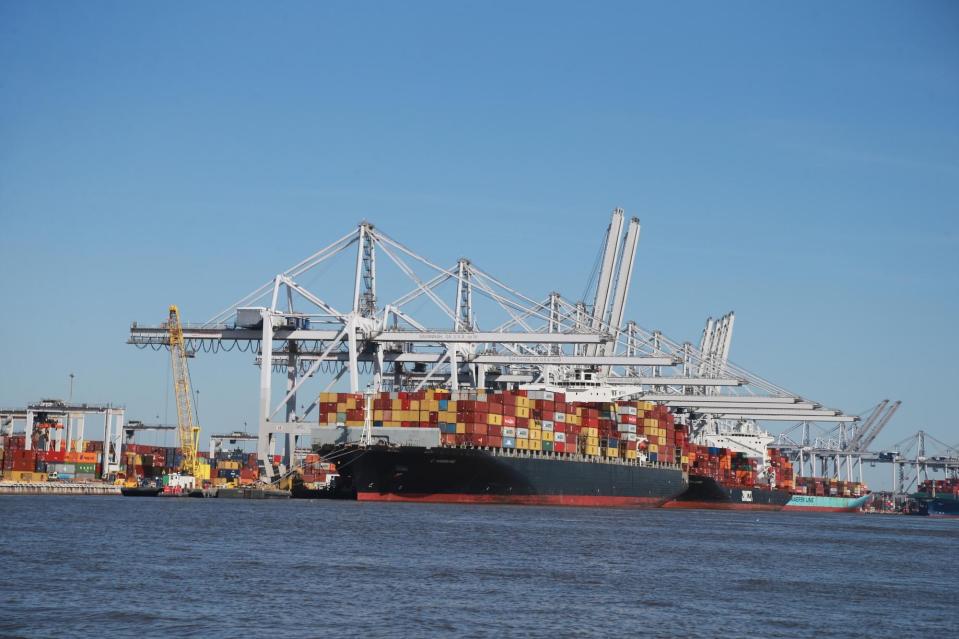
[[187, 429]]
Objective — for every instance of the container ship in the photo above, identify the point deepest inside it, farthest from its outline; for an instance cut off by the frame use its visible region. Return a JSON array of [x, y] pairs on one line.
[[720, 479], [519, 447], [723, 479], [937, 498], [818, 494]]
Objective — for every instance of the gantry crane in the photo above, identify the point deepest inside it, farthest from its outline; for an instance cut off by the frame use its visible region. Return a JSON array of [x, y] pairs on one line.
[[188, 431], [584, 349]]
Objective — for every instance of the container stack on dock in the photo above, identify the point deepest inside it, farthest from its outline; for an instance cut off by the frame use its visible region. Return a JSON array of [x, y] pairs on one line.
[[81, 463], [228, 469]]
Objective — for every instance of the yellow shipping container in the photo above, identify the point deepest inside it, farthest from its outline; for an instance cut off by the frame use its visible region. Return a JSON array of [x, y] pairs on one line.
[[522, 411], [203, 471], [650, 423], [592, 450], [653, 448], [662, 441], [451, 405], [522, 444], [647, 405], [378, 415], [547, 436], [592, 441], [535, 444], [630, 454], [494, 419], [415, 405], [24, 475], [612, 452], [460, 428], [396, 404], [535, 434], [593, 431], [684, 459]]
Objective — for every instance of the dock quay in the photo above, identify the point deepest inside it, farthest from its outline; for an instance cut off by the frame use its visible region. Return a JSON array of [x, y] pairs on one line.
[[56, 488]]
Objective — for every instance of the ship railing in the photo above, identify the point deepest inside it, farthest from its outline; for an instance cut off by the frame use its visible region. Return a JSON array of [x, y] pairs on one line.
[[575, 457]]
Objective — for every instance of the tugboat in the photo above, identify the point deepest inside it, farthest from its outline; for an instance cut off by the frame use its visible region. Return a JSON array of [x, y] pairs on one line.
[[144, 489]]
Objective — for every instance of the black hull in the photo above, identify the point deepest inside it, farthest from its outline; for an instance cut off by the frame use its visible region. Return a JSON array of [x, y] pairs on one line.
[[706, 492], [140, 491], [934, 507], [469, 475], [251, 493]]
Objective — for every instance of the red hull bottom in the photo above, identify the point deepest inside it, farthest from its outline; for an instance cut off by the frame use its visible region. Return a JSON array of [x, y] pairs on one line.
[[528, 500], [721, 505]]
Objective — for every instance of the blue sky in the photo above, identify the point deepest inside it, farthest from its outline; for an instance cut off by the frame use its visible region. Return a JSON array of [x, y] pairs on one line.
[[795, 163]]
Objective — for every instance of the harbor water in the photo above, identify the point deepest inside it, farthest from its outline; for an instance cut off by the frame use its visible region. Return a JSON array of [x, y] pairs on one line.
[[125, 567]]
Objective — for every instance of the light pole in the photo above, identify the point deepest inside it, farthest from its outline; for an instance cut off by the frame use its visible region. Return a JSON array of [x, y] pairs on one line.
[[70, 400]]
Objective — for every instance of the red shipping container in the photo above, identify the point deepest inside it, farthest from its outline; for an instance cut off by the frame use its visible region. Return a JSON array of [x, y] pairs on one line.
[[477, 429], [478, 440]]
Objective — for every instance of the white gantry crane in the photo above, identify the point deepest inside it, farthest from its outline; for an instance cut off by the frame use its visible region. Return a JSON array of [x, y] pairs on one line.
[[460, 327]]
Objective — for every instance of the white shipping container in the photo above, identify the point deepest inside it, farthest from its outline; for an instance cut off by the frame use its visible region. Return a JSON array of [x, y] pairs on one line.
[[544, 395], [546, 425], [630, 437], [559, 417], [509, 431], [522, 433], [559, 437]]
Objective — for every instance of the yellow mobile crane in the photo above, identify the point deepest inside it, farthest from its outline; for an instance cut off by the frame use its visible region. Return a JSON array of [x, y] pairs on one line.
[[189, 432]]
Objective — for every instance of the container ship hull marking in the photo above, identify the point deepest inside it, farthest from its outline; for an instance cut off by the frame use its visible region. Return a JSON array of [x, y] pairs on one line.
[[707, 493], [815, 503], [464, 475]]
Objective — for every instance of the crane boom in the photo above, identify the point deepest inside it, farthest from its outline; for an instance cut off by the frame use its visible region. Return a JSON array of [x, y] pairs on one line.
[[871, 436], [188, 432]]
